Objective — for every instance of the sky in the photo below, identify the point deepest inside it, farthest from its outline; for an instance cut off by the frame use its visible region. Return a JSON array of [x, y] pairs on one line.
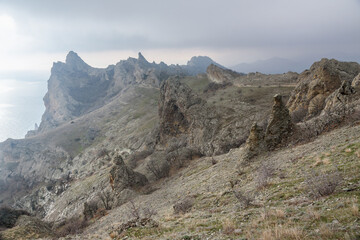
[[36, 33]]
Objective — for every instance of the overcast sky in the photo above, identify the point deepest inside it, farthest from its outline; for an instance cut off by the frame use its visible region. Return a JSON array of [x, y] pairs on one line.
[[36, 33]]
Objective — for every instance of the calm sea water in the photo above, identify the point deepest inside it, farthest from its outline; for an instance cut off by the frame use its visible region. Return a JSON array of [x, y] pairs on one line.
[[21, 105]]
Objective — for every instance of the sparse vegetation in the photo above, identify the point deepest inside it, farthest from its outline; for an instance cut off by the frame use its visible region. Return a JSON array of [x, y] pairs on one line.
[[184, 205], [74, 225], [264, 174], [321, 184], [245, 199], [107, 198], [159, 168], [90, 209]]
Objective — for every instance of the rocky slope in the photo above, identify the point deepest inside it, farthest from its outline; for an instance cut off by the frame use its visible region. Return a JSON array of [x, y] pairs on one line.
[[154, 142]]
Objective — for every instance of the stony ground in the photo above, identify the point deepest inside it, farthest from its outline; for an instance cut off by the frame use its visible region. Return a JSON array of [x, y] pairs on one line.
[[277, 202]]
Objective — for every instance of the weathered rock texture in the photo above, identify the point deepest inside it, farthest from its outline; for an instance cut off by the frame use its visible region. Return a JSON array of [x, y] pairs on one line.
[[316, 84], [75, 88], [193, 123], [255, 144], [280, 125], [278, 130], [122, 177]]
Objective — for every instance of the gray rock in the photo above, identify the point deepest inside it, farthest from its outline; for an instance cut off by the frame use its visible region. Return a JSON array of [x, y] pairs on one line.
[[122, 177], [280, 125], [255, 143], [316, 84]]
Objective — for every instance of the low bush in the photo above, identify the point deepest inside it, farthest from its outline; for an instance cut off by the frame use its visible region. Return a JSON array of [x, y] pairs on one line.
[[245, 199], [321, 184], [264, 174], [90, 209], [184, 205], [71, 226]]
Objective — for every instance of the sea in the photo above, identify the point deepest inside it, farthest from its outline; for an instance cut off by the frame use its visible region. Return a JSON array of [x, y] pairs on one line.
[[21, 103]]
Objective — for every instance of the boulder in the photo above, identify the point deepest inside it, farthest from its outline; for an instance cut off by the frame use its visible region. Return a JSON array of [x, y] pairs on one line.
[[122, 177]]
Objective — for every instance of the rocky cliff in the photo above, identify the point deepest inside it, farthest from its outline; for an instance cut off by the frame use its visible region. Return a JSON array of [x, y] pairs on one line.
[[318, 83], [75, 88]]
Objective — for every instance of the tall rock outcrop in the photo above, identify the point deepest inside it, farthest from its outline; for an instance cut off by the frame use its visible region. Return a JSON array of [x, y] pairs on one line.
[[318, 83], [280, 125], [194, 123], [177, 109], [255, 143], [278, 131]]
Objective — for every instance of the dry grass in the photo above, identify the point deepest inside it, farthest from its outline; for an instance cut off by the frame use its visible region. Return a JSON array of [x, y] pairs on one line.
[[312, 214], [283, 232], [355, 210], [326, 232], [228, 227]]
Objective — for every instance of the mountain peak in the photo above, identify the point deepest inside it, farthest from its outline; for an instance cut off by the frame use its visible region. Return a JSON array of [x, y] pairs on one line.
[[141, 57], [74, 60]]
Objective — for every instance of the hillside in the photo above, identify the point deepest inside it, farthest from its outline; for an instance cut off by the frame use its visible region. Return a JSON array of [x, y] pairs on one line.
[[149, 151]]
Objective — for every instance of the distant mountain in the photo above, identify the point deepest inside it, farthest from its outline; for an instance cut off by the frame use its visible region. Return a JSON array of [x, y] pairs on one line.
[[199, 64], [271, 66]]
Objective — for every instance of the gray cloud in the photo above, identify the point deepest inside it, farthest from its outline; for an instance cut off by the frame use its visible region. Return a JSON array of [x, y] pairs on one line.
[[280, 27]]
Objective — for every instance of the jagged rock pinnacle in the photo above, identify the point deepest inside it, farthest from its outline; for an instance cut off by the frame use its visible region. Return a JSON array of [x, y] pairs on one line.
[[73, 59]]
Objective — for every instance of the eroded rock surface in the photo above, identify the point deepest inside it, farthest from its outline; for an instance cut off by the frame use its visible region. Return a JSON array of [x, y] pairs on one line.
[[255, 144], [316, 84], [122, 177], [280, 125]]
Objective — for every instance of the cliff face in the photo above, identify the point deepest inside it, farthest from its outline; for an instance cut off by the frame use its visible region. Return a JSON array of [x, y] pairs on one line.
[[75, 88], [207, 128], [319, 82]]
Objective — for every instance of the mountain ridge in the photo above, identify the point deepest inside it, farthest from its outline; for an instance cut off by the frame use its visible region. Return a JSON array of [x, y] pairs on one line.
[[186, 147]]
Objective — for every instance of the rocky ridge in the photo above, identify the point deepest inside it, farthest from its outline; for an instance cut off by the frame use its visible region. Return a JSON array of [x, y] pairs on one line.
[[125, 147]]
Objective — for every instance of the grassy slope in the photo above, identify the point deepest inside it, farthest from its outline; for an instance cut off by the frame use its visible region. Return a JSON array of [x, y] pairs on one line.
[[283, 209]]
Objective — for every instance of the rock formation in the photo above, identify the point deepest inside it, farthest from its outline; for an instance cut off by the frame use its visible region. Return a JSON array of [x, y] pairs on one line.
[[280, 125], [255, 144], [176, 105], [279, 128], [339, 100], [183, 115], [221, 75], [122, 177], [316, 84], [75, 88]]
